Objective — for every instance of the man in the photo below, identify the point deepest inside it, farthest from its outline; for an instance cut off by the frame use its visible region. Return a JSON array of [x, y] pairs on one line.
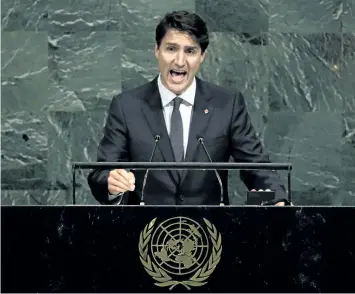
[[180, 108]]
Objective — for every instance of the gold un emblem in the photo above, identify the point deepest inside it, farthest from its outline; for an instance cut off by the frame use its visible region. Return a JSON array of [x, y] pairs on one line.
[[180, 252]]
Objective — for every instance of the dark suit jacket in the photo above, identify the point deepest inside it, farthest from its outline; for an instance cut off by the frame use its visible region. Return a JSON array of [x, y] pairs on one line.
[[136, 116]]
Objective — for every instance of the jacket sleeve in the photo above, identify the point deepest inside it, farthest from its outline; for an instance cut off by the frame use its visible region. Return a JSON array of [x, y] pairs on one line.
[[113, 147], [246, 147]]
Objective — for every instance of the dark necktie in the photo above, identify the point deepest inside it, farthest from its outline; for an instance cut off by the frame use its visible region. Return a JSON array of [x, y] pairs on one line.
[[176, 131]]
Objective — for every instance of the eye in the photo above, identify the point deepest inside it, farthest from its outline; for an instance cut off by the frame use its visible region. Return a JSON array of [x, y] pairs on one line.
[[171, 48], [191, 51]]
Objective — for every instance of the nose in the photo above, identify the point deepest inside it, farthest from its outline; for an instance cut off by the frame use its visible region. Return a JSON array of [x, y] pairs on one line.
[[180, 59]]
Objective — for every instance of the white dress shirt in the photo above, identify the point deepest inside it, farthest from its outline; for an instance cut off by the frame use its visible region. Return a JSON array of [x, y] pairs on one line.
[[185, 107], [168, 105]]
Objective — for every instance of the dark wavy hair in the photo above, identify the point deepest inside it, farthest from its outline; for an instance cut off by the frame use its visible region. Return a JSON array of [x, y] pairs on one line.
[[183, 21]]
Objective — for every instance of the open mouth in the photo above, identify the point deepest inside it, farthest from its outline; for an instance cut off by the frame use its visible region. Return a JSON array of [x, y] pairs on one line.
[[177, 75], [178, 72]]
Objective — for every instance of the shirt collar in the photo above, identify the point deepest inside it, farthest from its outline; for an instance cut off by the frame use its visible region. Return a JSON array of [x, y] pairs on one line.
[[167, 96]]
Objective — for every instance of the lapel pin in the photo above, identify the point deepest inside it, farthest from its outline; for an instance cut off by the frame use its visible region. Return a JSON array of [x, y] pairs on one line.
[[206, 111]]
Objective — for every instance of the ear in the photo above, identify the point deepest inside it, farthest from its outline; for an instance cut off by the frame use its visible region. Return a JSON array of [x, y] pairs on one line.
[[156, 50], [203, 56]]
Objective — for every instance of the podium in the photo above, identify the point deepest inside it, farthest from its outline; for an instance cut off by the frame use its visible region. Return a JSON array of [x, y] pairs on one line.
[[174, 249]]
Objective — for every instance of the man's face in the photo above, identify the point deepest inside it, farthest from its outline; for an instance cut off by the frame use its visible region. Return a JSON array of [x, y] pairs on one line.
[[179, 58]]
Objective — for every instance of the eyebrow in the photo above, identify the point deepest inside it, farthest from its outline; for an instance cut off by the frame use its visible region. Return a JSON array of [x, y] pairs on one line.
[[187, 47]]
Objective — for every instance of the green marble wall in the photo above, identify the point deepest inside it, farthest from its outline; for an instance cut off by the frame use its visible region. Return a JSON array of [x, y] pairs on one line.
[[62, 61]]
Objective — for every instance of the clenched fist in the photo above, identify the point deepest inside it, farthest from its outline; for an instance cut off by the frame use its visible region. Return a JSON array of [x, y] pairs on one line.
[[119, 180]]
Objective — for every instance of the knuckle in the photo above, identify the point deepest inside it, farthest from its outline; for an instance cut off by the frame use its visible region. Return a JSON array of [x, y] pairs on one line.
[[122, 172]]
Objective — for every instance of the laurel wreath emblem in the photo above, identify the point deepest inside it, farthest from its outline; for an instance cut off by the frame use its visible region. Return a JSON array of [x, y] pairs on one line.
[[162, 278]]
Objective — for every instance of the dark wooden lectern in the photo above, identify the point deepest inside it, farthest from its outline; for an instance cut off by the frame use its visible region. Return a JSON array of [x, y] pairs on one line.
[[177, 249]]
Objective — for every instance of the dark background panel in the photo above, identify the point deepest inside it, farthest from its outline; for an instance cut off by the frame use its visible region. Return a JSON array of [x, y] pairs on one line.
[[62, 62]]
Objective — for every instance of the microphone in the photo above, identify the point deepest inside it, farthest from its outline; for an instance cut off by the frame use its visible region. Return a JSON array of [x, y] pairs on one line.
[[201, 141], [156, 138]]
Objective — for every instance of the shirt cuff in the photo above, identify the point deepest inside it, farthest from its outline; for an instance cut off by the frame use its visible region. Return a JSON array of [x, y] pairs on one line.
[[118, 196]]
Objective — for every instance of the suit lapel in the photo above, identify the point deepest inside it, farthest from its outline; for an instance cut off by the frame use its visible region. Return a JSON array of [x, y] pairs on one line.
[[202, 113], [153, 113]]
